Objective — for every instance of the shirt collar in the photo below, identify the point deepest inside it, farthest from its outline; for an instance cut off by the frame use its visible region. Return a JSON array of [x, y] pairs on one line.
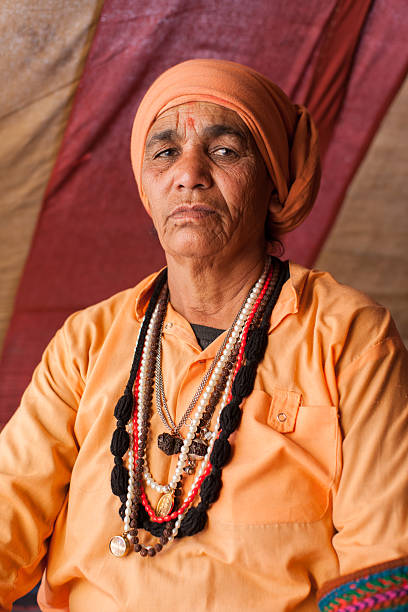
[[290, 295], [145, 290]]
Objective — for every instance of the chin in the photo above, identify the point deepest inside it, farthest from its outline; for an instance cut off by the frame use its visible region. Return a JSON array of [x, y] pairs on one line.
[[192, 244]]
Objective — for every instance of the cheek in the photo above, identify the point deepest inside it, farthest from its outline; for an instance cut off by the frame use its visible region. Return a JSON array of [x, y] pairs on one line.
[[252, 200], [148, 181], [157, 212], [150, 199], [152, 191], [242, 188]]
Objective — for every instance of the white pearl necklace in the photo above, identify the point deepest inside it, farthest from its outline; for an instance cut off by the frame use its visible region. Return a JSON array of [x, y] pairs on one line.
[[202, 404], [235, 334], [203, 466], [205, 461]]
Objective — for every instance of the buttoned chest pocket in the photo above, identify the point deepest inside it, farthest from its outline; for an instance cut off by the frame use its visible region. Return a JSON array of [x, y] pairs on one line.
[[283, 462]]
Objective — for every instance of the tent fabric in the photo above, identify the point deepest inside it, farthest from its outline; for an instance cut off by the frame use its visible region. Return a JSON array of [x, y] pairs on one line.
[[93, 237], [44, 45], [369, 93], [367, 248]]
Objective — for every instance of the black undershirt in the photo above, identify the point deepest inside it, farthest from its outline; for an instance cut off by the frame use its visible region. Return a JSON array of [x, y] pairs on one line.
[[205, 335]]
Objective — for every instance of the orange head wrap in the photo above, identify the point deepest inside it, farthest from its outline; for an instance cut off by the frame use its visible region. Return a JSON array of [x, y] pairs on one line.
[[284, 132]]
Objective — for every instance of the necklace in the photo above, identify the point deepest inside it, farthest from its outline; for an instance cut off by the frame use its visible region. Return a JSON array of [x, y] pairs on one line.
[[202, 473], [128, 485], [120, 545], [222, 358], [221, 365]]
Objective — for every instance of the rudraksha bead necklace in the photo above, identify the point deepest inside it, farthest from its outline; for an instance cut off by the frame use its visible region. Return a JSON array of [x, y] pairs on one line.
[[120, 545], [194, 526], [193, 520]]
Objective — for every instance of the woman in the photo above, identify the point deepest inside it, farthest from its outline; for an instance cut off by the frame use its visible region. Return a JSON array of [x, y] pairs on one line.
[[259, 441]]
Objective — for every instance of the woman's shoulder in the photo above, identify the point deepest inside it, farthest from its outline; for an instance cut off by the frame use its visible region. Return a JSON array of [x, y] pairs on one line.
[[339, 314], [320, 291], [119, 313], [321, 284]]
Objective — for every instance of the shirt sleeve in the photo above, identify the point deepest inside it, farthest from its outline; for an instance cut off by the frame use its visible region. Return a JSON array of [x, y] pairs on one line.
[[38, 448], [370, 503]]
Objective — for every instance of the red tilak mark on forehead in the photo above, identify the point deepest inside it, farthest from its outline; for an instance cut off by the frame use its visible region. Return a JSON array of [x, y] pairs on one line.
[[190, 122]]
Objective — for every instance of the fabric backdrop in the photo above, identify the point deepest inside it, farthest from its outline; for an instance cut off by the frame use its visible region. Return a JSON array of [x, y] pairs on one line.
[[44, 45], [368, 245], [346, 60]]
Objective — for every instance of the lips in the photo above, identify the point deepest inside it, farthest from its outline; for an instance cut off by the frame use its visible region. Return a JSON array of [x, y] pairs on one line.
[[192, 211]]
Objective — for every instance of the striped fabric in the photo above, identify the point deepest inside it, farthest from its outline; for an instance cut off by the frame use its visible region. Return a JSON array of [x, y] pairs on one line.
[[380, 587]]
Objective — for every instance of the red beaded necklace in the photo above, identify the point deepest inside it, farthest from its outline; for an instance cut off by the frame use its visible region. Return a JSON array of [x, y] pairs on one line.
[[187, 503], [188, 519]]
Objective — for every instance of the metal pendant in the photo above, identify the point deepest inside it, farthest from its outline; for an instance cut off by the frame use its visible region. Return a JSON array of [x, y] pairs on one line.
[[165, 504], [119, 546], [190, 467]]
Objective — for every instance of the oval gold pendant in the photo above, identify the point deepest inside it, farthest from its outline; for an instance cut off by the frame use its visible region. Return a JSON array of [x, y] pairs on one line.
[[119, 546], [165, 504]]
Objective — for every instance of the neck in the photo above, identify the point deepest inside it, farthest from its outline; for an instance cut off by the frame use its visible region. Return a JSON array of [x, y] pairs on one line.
[[210, 291]]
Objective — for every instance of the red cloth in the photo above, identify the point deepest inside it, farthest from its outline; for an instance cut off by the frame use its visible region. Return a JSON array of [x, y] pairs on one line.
[[93, 237]]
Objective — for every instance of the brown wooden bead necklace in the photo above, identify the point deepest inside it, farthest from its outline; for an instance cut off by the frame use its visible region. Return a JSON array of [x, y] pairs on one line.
[[194, 519]]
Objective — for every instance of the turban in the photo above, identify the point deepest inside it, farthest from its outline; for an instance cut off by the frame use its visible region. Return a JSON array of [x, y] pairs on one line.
[[284, 132]]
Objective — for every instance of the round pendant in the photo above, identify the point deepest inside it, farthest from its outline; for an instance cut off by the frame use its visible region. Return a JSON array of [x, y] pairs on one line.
[[119, 546], [165, 504]]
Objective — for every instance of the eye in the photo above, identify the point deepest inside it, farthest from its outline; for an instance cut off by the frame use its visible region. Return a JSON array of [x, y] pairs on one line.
[[224, 152], [170, 152]]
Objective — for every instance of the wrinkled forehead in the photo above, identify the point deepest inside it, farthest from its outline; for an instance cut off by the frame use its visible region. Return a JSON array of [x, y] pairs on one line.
[[205, 119]]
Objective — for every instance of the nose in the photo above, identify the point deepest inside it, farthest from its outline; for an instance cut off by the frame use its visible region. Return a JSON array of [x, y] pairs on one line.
[[192, 170]]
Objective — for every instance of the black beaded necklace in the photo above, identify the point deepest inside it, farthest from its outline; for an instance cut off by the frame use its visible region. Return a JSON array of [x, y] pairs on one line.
[[124, 407], [196, 517]]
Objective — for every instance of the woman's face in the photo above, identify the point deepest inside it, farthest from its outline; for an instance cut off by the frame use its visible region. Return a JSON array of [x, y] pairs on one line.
[[206, 182]]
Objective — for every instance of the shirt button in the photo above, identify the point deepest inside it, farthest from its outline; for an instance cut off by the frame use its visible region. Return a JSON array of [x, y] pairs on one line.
[[282, 417]]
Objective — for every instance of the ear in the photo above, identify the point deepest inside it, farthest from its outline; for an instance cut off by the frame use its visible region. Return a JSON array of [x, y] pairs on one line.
[[274, 205]]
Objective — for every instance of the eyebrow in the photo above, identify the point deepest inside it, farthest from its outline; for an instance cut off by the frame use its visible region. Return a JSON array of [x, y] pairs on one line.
[[214, 131], [163, 136], [220, 129]]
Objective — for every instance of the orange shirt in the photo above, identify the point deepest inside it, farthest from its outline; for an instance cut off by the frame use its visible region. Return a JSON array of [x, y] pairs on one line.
[[304, 499]]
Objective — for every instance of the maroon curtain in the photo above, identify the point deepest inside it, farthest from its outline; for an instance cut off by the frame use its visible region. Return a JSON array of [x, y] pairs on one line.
[[345, 59]]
